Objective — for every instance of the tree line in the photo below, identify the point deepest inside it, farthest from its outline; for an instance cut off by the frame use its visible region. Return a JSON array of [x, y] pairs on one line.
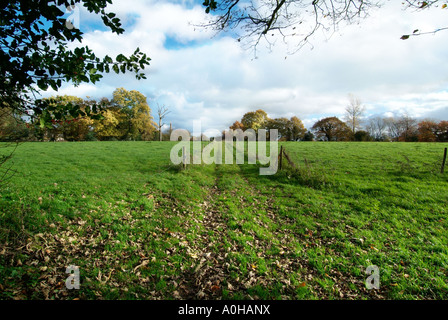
[[127, 116], [354, 127], [288, 129]]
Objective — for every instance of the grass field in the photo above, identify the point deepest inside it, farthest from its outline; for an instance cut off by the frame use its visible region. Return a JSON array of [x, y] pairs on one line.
[[138, 227]]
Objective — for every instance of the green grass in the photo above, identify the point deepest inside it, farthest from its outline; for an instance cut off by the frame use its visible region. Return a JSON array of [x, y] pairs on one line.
[[141, 228]]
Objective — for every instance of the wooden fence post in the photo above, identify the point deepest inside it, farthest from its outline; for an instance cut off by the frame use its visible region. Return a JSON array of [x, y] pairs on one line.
[[184, 158], [444, 161], [280, 158]]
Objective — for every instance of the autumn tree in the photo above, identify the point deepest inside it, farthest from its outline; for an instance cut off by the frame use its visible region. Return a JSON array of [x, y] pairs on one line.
[[331, 129], [442, 131], [427, 131], [71, 128], [237, 125], [283, 126], [136, 120], [431, 131], [110, 127], [296, 128], [255, 120]]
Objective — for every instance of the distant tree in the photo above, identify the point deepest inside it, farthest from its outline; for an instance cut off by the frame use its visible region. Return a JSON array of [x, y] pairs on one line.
[[331, 129], [237, 125], [110, 126], [442, 131], [138, 122], [162, 111], [255, 120], [353, 113], [362, 135], [308, 136], [296, 128], [427, 131], [283, 125], [408, 128], [377, 128], [393, 128], [71, 128], [12, 126]]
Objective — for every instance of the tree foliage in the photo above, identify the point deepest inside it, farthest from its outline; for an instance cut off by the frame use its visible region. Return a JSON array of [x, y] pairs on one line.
[[35, 54], [432, 131], [125, 117], [255, 120], [137, 122], [331, 129], [72, 127], [288, 129]]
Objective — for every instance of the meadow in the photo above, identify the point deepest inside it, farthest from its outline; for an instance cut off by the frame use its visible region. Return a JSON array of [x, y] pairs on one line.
[[139, 227]]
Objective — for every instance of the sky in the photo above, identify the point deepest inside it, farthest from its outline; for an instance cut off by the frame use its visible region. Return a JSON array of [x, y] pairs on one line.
[[199, 75]]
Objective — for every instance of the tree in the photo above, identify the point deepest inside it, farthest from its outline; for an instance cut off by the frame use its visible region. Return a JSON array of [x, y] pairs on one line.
[[403, 128], [138, 122], [377, 128], [442, 131], [283, 125], [408, 127], [35, 54], [12, 126], [362, 135], [237, 125], [427, 131], [353, 113], [109, 126], [331, 129], [297, 129], [309, 136], [71, 128], [293, 20], [162, 111], [255, 120]]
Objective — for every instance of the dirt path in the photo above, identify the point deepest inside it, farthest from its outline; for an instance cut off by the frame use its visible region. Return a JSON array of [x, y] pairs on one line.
[[206, 278], [218, 256]]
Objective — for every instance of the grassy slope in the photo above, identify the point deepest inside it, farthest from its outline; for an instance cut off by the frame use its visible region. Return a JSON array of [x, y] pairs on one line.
[[140, 228]]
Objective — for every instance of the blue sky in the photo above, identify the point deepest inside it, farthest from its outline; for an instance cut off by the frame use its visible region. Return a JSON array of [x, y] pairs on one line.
[[199, 75]]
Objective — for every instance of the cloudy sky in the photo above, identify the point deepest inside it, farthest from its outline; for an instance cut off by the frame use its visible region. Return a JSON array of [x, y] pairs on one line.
[[202, 76]]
